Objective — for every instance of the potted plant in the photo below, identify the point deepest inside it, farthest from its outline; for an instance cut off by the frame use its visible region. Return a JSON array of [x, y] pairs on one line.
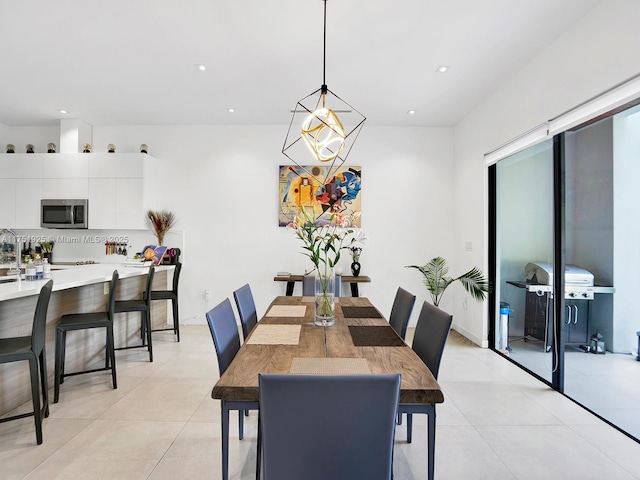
[[161, 221], [436, 280], [322, 244]]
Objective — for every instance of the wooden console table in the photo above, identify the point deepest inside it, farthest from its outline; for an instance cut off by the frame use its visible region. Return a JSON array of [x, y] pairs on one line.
[[352, 281]]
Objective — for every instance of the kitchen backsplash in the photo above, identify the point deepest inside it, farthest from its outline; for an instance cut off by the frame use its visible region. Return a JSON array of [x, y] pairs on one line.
[[103, 246]]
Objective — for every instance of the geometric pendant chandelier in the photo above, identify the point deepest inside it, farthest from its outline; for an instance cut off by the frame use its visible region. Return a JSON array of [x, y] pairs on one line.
[[323, 126]]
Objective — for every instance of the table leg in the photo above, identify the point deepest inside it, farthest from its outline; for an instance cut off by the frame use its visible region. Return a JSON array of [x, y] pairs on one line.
[[354, 289], [290, 286]]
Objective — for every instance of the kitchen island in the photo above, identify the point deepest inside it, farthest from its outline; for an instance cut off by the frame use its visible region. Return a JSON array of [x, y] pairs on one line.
[[82, 288]]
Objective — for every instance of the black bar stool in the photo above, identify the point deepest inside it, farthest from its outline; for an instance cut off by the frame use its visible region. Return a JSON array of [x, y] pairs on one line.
[[144, 307], [32, 348], [82, 321], [173, 296]]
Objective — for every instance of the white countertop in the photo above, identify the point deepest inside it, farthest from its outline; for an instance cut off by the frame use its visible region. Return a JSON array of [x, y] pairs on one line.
[[73, 276]]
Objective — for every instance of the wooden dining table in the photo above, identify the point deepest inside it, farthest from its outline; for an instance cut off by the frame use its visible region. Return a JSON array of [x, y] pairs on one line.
[[285, 340]]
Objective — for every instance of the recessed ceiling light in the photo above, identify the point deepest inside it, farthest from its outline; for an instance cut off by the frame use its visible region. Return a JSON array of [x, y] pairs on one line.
[[231, 110], [200, 66], [443, 68], [63, 111], [411, 112]]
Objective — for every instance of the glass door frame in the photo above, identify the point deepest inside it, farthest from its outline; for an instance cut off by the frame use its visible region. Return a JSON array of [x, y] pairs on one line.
[[559, 260]]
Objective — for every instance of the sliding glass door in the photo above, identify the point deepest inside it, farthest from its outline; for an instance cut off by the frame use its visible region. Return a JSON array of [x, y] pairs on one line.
[[524, 218], [584, 220]]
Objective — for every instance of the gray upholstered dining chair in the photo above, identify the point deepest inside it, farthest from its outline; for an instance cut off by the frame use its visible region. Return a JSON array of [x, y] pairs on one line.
[[429, 340], [246, 309], [401, 311], [308, 285], [32, 349], [318, 427], [226, 339]]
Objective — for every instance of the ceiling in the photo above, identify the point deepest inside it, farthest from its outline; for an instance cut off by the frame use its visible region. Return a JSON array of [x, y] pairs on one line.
[[133, 62]]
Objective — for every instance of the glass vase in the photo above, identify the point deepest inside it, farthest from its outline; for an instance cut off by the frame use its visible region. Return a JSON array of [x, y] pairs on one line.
[[325, 305]]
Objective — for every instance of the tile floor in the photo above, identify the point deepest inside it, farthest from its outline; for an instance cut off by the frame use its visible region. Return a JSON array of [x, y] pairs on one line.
[[497, 423], [607, 384]]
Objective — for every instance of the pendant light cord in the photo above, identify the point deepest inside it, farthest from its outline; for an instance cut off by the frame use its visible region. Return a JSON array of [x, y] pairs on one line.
[[324, 51]]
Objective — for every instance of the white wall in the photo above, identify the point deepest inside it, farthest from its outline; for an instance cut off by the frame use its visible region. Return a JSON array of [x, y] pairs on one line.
[[222, 182], [599, 52]]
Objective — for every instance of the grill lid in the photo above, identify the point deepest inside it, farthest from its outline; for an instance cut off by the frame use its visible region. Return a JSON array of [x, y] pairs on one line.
[[542, 274]]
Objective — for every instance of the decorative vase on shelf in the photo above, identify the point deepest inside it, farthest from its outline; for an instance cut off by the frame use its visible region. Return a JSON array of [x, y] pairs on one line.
[[325, 306], [355, 268]]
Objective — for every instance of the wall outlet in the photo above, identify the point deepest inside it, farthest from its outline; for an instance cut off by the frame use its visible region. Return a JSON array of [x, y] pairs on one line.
[[468, 246], [106, 288], [207, 294]]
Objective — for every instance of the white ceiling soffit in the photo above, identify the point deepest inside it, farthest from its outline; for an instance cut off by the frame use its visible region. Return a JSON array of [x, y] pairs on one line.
[[607, 101]]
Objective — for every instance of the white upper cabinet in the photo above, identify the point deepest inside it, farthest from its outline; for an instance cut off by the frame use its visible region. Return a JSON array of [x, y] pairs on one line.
[[113, 183], [65, 165]]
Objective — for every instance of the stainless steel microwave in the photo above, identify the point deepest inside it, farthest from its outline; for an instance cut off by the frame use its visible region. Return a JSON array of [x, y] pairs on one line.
[[64, 213]]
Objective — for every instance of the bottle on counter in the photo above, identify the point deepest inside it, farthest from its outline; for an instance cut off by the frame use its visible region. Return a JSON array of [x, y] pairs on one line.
[[39, 266], [46, 269], [30, 271]]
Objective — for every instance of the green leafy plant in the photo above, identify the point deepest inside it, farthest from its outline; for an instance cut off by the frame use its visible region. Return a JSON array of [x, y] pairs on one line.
[[321, 243], [436, 280]]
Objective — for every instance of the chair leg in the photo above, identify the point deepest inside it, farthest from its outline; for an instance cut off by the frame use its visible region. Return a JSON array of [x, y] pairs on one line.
[[225, 441], [240, 425], [44, 383], [35, 396], [399, 420], [409, 427], [259, 450], [431, 438], [176, 321]]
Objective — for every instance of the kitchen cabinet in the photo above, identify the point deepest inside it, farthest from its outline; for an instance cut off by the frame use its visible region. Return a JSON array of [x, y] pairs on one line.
[[114, 183], [57, 188], [7, 203], [129, 203], [66, 166], [28, 195], [102, 207]]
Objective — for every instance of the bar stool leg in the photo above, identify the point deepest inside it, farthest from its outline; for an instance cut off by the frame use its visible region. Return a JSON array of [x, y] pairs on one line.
[[147, 321], [35, 396], [44, 384], [176, 322], [57, 372]]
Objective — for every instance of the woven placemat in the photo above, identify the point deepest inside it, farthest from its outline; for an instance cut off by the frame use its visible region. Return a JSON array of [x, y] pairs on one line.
[[293, 311], [360, 312], [379, 336], [275, 335], [330, 366]]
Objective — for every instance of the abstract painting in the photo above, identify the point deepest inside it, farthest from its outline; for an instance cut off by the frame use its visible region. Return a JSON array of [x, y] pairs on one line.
[[324, 191]]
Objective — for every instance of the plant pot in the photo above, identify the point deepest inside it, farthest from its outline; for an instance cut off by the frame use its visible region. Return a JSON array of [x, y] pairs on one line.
[[355, 268], [324, 303]]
